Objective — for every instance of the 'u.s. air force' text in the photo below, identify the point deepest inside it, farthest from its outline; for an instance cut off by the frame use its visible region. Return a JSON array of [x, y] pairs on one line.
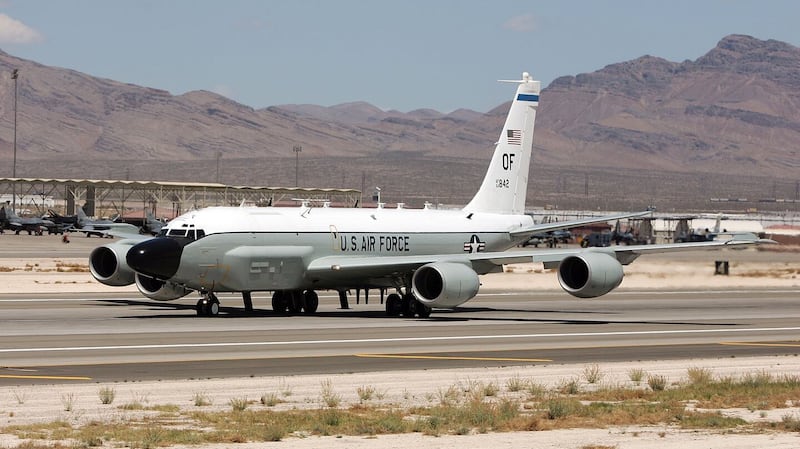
[[372, 243]]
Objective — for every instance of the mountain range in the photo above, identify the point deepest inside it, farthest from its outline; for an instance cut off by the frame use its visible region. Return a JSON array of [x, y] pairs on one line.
[[733, 111]]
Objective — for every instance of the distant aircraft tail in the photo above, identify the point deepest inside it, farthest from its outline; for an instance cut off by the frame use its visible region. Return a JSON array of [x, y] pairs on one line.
[[11, 214], [82, 217], [504, 188], [13, 219]]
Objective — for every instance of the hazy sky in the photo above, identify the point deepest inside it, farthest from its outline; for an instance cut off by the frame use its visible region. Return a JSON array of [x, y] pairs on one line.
[[401, 55]]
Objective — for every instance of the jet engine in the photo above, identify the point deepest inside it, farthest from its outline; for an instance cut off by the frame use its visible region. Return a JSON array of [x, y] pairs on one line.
[[589, 274], [159, 290], [445, 284], [107, 264]]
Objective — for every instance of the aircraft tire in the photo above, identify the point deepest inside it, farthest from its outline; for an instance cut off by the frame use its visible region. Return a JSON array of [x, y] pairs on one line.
[[409, 306], [310, 302], [201, 306], [394, 305], [279, 303], [294, 301], [213, 307], [422, 310], [208, 306]]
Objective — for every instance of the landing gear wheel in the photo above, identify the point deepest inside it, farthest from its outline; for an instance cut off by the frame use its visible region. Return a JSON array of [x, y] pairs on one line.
[[208, 305], [201, 307], [422, 310], [279, 303], [310, 302], [394, 305], [213, 307], [294, 301], [409, 306]]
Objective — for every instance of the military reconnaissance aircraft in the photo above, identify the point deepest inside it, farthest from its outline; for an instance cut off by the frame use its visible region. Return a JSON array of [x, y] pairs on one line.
[[429, 258]]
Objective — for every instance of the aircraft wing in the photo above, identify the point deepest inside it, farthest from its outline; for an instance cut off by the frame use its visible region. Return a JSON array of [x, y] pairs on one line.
[[378, 266], [129, 232], [124, 230], [544, 227], [626, 254]]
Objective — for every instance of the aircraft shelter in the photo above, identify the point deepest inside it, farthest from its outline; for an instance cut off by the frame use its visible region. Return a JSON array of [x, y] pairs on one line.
[[110, 197]]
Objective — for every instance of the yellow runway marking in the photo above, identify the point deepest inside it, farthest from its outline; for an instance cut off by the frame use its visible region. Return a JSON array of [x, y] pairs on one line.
[[444, 357], [774, 345], [24, 376]]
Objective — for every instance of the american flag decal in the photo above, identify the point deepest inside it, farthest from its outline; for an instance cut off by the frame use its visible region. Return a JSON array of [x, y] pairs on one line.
[[514, 137]]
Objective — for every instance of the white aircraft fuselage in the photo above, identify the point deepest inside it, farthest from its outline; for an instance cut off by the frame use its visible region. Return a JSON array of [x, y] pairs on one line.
[[431, 258], [252, 248]]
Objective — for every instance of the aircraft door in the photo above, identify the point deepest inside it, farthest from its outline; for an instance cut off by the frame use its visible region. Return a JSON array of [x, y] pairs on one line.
[[334, 238]]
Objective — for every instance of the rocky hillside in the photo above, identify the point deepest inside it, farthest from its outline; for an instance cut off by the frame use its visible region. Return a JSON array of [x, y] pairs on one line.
[[732, 111], [736, 110], [67, 114]]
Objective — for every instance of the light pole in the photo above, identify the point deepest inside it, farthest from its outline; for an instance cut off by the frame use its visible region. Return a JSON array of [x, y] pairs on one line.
[[14, 76], [297, 149], [219, 155]]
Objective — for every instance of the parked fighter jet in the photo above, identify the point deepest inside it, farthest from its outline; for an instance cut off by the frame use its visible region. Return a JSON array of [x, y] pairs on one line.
[[101, 227], [33, 225]]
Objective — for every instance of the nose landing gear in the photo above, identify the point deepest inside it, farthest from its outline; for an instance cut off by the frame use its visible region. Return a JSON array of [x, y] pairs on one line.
[[208, 305]]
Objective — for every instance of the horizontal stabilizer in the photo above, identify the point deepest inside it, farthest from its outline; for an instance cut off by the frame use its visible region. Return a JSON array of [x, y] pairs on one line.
[[544, 227]]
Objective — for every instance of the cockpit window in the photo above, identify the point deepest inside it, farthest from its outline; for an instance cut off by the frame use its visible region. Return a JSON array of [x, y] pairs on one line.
[[190, 234], [177, 233]]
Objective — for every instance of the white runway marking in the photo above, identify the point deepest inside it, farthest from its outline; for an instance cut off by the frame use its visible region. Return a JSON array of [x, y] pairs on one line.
[[398, 340], [487, 294]]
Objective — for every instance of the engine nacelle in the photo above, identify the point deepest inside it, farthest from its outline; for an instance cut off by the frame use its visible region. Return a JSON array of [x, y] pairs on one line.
[[589, 274], [445, 284], [159, 290], [107, 264]]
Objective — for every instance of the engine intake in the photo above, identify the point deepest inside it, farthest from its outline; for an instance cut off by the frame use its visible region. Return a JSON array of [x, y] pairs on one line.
[[445, 284], [159, 290], [107, 264], [589, 274]]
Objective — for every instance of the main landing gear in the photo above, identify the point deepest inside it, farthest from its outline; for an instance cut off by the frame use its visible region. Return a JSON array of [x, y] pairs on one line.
[[295, 301], [406, 305]]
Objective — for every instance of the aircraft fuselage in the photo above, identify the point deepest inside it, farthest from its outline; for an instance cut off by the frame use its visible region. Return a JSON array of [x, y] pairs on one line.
[[271, 248]]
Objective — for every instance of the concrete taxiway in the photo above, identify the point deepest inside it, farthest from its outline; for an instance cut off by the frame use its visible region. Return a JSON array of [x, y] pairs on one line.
[[116, 337]]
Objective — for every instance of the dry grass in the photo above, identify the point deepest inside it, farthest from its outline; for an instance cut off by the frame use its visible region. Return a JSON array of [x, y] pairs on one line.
[[775, 273], [64, 267], [464, 408], [60, 267], [592, 373]]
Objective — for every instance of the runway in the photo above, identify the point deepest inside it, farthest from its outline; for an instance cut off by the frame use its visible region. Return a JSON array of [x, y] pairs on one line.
[[124, 337]]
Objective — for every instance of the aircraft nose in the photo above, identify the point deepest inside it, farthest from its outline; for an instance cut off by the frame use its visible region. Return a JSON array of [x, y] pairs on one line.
[[158, 257]]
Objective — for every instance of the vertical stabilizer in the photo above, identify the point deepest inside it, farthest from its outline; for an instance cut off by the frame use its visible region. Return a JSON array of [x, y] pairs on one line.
[[505, 185], [82, 219]]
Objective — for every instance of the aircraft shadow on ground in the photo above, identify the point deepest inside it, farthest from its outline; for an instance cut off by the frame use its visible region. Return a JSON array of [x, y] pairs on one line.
[[436, 316]]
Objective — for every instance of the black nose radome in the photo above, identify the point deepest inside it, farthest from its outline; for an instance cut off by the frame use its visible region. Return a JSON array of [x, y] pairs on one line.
[[158, 257]]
